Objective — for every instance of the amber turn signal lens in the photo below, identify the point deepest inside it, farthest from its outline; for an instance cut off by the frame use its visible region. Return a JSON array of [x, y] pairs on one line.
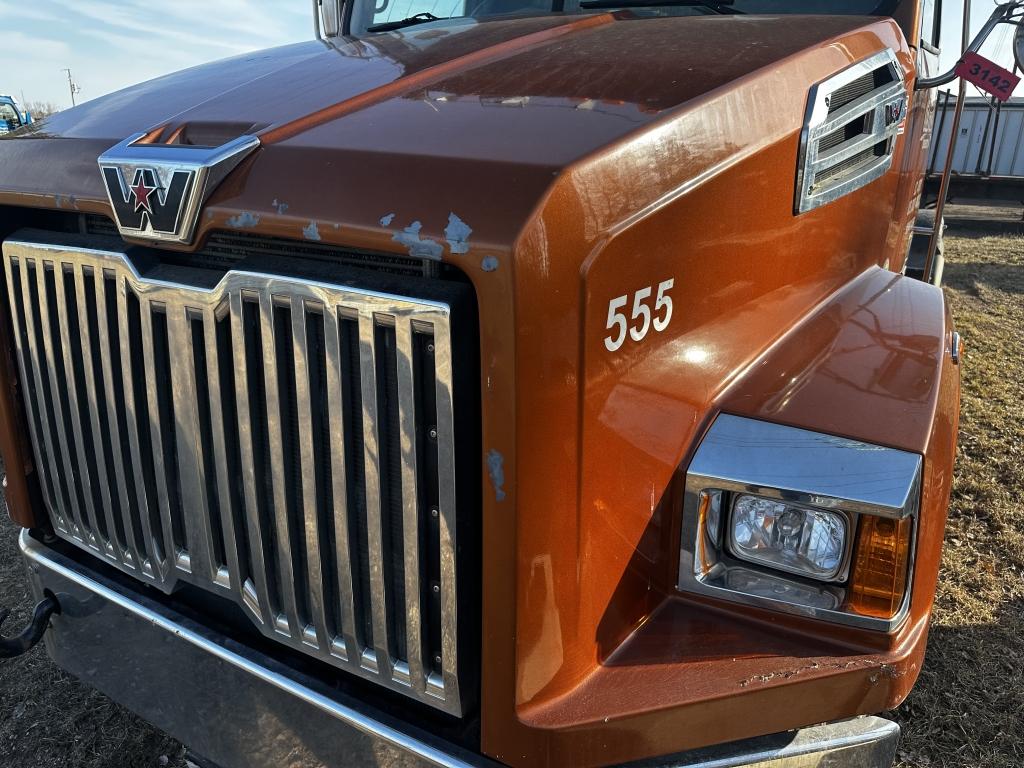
[[880, 571]]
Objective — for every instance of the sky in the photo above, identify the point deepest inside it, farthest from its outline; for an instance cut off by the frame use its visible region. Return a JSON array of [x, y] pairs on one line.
[[110, 44]]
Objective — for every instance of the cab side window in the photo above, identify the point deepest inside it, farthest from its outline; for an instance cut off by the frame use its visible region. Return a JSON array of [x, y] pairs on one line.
[[931, 23], [9, 117]]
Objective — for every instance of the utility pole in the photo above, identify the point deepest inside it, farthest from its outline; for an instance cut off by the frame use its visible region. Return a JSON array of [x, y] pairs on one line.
[[72, 86]]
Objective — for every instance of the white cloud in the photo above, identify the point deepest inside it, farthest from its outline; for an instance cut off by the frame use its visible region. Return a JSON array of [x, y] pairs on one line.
[[19, 45], [109, 45], [11, 11]]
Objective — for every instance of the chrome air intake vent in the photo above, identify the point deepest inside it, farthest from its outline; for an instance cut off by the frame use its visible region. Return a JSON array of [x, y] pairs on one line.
[[852, 120]]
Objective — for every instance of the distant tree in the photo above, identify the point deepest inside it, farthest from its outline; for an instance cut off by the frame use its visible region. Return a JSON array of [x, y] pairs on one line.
[[40, 109]]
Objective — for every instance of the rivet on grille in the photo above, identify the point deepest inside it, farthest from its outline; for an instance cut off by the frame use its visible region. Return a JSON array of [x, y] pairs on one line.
[[433, 433], [436, 588], [430, 348], [434, 512]]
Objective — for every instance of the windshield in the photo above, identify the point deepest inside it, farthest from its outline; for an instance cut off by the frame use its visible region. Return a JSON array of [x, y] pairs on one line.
[[366, 14], [9, 118]]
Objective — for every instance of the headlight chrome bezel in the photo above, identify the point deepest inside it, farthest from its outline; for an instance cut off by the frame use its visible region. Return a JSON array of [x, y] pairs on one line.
[[743, 456]]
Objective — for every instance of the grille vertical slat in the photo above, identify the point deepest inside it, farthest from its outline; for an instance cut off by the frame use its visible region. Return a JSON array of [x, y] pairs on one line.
[[410, 500], [371, 483], [275, 438], [339, 482], [87, 528], [275, 441], [248, 462], [311, 534], [88, 486], [114, 546], [155, 551], [107, 367], [222, 474], [191, 467], [39, 419], [172, 552], [445, 443]]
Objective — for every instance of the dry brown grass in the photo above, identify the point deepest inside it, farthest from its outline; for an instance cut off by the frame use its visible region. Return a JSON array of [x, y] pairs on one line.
[[48, 719], [967, 710]]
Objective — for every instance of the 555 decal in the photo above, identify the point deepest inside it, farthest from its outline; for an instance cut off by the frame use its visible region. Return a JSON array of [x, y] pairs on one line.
[[645, 315]]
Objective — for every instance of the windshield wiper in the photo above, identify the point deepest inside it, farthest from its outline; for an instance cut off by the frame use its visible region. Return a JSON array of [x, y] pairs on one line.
[[419, 18], [718, 6]]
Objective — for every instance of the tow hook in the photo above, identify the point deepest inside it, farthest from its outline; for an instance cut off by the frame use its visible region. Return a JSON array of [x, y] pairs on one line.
[[28, 638]]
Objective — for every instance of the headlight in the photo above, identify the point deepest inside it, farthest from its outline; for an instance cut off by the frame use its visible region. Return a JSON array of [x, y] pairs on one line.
[[797, 521], [808, 542]]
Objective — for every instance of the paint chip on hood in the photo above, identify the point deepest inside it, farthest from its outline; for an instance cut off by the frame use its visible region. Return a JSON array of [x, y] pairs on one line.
[[457, 233], [244, 220], [311, 232], [418, 247]]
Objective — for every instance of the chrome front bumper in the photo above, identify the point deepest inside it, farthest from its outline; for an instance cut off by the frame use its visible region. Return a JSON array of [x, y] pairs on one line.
[[242, 709]]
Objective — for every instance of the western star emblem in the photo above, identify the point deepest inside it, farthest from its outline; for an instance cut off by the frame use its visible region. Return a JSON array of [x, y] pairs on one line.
[[148, 203], [157, 190], [894, 112]]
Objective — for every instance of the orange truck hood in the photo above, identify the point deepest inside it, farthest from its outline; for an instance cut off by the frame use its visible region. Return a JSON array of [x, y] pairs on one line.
[[450, 111]]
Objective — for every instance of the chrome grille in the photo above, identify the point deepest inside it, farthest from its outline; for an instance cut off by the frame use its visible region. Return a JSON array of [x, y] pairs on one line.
[[284, 443]]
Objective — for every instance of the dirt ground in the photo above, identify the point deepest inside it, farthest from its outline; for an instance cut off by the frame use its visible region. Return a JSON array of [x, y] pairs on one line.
[[967, 710]]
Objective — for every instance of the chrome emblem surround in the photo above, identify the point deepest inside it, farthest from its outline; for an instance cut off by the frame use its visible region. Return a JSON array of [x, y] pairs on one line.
[[157, 190]]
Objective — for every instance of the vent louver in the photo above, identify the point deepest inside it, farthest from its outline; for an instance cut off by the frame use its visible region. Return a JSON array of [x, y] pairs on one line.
[[852, 121]]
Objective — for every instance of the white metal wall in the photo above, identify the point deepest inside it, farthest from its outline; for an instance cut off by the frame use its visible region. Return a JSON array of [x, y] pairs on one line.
[[983, 138]]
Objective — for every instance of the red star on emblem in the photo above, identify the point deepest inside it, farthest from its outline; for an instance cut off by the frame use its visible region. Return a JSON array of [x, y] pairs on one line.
[[142, 192]]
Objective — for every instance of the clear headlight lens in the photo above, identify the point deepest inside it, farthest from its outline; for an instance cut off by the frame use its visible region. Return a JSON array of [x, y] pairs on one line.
[[808, 542]]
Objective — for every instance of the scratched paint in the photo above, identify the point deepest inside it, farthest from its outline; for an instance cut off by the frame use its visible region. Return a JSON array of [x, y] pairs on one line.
[[419, 248], [385, 221], [496, 470], [310, 231], [281, 208], [489, 264], [457, 234], [244, 220]]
